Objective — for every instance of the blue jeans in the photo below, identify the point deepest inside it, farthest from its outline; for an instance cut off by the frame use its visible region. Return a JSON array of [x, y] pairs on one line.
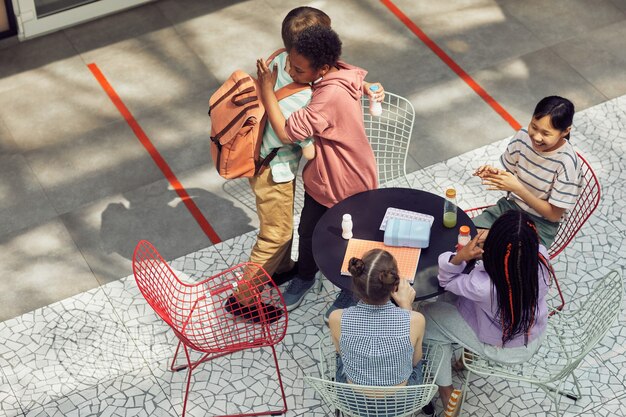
[[379, 407]]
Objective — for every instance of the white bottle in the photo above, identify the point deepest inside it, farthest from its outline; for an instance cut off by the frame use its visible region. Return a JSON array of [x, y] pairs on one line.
[[376, 107], [346, 226], [464, 237]]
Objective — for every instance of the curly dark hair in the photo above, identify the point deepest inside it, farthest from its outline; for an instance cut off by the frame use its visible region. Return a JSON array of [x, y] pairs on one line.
[[319, 45], [299, 19]]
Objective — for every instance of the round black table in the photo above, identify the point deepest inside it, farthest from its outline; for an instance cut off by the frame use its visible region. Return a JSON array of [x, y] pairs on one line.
[[368, 209]]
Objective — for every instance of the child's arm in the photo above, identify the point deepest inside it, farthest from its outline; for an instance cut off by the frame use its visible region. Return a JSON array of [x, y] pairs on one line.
[[507, 181], [308, 151], [267, 79], [418, 327]]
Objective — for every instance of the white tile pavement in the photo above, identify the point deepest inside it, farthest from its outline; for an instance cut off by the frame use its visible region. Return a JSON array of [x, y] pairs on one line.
[[105, 353]]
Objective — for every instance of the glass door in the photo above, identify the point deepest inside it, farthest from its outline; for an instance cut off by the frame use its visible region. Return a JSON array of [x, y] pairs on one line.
[[37, 17]]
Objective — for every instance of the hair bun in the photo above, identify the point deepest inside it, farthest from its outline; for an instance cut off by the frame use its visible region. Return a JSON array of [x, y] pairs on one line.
[[356, 266]]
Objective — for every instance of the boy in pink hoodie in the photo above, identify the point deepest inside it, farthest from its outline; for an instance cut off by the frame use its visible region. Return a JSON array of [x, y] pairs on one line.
[[344, 164]]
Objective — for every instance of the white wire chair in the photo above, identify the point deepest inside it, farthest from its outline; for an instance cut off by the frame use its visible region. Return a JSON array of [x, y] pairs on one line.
[[570, 336], [390, 136], [372, 401]]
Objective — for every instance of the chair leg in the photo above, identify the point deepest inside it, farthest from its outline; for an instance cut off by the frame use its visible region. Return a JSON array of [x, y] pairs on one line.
[[280, 381], [206, 357], [558, 287], [190, 366], [576, 395]]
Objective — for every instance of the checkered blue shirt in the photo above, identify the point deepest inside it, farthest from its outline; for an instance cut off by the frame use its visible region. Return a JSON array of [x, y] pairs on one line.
[[375, 344]]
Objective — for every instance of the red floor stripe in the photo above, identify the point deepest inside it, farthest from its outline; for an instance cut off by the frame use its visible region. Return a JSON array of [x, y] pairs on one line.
[[453, 65], [156, 156]]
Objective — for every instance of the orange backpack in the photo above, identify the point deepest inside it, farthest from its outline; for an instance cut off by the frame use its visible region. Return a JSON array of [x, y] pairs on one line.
[[237, 124]]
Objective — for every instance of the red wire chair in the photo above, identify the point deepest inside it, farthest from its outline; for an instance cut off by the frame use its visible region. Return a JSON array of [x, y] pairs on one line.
[[586, 204], [205, 316]]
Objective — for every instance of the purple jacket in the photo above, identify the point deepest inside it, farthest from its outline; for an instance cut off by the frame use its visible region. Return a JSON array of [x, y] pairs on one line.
[[478, 305]]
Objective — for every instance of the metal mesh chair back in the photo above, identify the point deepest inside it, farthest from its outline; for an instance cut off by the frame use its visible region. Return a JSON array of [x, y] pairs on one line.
[[390, 136], [569, 337], [373, 401], [197, 311], [586, 204]]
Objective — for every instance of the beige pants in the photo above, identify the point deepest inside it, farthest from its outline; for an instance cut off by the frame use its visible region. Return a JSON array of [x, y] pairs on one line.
[[274, 206]]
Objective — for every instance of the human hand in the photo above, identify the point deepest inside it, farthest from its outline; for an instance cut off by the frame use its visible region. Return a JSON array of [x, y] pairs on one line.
[[377, 95], [404, 295], [468, 252], [265, 76], [482, 236], [485, 170], [502, 181]]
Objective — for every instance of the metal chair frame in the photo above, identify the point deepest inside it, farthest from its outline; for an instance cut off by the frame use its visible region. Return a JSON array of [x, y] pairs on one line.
[[569, 337], [200, 319], [390, 135], [587, 202], [373, 401]]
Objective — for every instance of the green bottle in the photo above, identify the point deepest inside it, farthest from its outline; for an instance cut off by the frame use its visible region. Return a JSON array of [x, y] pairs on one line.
[[449, 209]]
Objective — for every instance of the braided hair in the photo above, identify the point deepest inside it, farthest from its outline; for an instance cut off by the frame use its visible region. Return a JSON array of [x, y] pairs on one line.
[[375, 276], [511, 258]]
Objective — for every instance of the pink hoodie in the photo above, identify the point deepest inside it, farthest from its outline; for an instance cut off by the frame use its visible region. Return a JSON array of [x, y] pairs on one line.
[[344, 163]]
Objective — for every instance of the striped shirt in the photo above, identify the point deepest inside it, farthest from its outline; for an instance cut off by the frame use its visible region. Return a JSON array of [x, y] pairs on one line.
[[552, 176], [375, 344], [285, 165]]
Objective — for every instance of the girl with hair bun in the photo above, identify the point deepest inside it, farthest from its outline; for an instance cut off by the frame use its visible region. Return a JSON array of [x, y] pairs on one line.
[[378, 343], [500, 309]]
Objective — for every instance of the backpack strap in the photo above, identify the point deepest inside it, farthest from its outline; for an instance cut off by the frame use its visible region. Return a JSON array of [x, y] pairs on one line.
[[281, 93], [274, 55]]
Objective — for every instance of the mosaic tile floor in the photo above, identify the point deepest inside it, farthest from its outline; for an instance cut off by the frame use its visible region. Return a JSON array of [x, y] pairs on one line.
[[105, 353]]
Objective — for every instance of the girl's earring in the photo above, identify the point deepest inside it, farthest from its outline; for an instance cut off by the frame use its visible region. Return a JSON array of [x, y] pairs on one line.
[[318, 80]]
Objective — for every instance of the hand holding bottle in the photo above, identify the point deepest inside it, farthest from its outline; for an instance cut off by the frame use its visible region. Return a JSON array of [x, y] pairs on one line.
[[468, 252]]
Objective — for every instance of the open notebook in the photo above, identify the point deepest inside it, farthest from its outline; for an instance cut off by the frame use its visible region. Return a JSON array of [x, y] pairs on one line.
[[407, 258]]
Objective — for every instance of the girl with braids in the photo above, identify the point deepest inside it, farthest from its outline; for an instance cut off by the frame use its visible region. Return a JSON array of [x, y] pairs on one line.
[[378, 343], [500, 310]]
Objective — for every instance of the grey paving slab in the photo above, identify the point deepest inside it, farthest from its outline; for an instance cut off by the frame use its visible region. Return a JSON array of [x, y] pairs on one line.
[[95, 164], [621, 4], [553, 22], [108, 230], [24, 202], [476, 36], [227, 217], [69, 104], [148, 65], [519, 83], [257, 33], [596, 55], [181, 133], [7, 143], [40, 265], [137, 26], [441, 131], [26, 64]]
